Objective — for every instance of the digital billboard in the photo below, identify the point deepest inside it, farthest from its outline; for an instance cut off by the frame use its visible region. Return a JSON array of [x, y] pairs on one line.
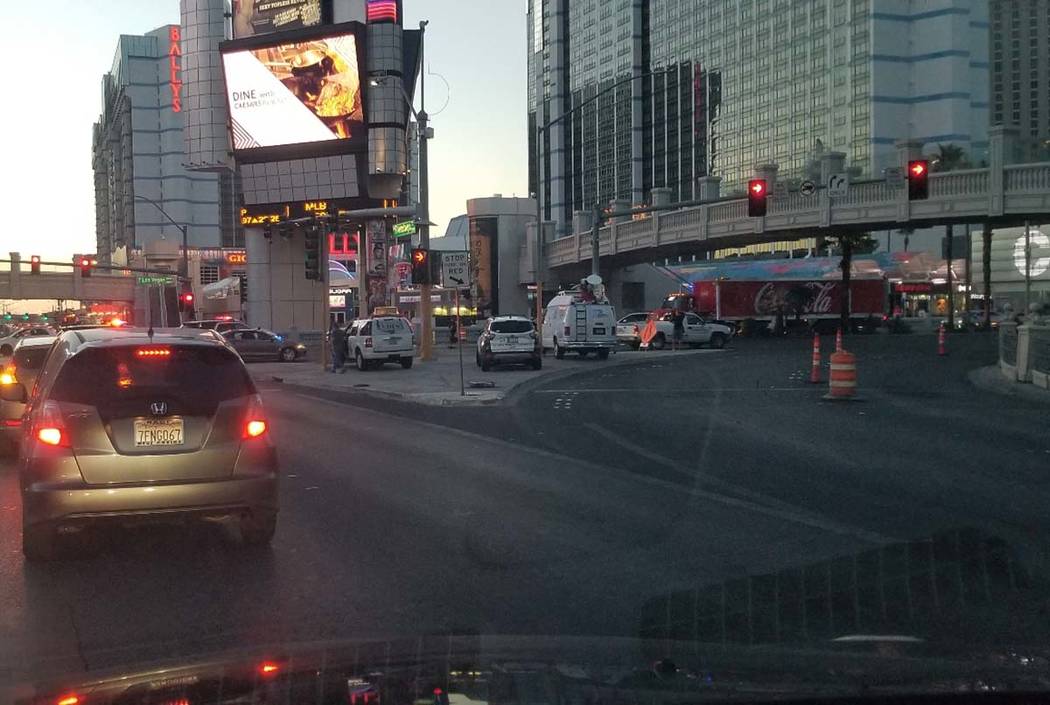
[[254, 17], [298, 92]]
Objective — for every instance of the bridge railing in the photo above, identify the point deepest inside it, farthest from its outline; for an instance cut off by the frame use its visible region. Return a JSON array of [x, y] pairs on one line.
[[1026, 177], [967, 182]]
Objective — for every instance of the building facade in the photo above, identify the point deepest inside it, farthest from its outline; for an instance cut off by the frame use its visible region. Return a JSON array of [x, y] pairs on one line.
[[139, 159], [730, 84], [1020, 72]]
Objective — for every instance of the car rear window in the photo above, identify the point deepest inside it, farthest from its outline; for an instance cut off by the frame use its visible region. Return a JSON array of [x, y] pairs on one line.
[[30, 358], [193, 379], [511, 326], [390, 325]]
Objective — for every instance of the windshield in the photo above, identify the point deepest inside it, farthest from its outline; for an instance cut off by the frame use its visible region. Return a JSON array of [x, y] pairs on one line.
[[709, 331], [30, 358], [511, 327]]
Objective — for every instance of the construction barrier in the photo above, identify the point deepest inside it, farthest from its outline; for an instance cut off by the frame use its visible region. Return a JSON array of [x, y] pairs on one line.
[[814, 374], [942, 335], [843, 379], [838, 340]]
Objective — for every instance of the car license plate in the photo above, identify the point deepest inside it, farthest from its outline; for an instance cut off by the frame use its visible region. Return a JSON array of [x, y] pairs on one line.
[[512, 340], [154, 433]]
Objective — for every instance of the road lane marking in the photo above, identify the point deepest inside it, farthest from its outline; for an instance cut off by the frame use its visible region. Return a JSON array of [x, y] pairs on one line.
[[676, 390], [770, 505], [788, 513]]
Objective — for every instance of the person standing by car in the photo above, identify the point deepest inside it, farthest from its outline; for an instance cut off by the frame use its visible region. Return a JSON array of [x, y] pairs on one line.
[[678, 321], [337, 339]]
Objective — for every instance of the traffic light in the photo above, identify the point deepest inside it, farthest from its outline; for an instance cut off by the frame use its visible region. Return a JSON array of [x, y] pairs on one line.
[[312, 253], [756, 198], [186, 301], [34, 264], [918, 180], [86, 264], [244, 288], [420, 266]]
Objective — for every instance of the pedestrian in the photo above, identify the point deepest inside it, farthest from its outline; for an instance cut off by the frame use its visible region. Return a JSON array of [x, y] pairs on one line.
[[678, 323], [452, 331], [337, 340]]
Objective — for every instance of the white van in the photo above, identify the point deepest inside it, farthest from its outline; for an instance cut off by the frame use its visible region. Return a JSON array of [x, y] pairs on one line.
[[571, 324]]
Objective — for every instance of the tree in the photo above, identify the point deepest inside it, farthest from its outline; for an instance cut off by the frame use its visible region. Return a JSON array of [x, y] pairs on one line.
[[949, 158], [850, 244]]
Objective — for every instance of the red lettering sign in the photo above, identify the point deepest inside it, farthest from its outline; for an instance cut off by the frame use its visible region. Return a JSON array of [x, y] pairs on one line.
[[174, 65]]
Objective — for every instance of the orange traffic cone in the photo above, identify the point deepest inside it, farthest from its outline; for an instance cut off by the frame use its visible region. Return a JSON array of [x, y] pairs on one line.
[[942, 335], [814, 374], [838, 340]]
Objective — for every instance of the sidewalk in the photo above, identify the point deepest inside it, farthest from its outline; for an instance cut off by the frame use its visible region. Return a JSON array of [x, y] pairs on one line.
[[437, 382], [991, 379]]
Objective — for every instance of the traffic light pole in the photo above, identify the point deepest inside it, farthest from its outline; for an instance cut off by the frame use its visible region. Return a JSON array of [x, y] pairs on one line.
[[426, 345]]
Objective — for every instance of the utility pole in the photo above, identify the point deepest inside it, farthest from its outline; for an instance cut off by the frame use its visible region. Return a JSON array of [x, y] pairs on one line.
[[426, 347], [951, 284], [1027, 266], [969, 273]]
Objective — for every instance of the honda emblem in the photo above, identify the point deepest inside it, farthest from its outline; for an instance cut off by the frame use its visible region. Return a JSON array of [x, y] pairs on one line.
[[159, 408]]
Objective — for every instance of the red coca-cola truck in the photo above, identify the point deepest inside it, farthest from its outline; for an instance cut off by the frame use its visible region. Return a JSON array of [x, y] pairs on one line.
[[817, 302]]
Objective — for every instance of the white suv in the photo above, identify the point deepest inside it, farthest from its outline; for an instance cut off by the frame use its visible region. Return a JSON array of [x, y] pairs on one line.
[[372, 341], [509, 339]]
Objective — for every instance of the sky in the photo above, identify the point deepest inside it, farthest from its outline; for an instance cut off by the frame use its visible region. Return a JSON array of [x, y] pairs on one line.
[[50, 105]]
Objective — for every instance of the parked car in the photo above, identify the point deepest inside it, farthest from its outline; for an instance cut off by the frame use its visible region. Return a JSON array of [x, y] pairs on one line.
[[629, 329], [156, 427], [260, 344], [219, 325], [571, 324], [28, 357], [8, 342], [507, 340], [696, 332], [370, 342]]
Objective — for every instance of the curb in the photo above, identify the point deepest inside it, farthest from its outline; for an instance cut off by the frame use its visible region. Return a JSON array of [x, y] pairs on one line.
[[990, 379]]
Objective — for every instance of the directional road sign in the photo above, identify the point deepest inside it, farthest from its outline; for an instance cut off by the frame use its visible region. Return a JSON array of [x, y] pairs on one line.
[[807, 188], [455, 270], [838, 185]]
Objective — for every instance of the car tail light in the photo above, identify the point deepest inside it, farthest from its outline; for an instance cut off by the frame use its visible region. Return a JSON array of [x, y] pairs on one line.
[[8, 376], [153, 352], [255, 425], [636, 331], [49, 428], [11, 423], [68, 700], [269, 668], [368, 342]]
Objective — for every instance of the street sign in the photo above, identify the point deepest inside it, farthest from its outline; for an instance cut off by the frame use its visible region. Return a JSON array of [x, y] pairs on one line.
[[156, 280], [807, 188], [780, 189], [455, 270], [838, 185], [894, 175], [406, 228]]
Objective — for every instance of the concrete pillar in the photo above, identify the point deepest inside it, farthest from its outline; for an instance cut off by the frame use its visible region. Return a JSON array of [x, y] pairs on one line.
[[16, 275], [709, 188], [660, 196], [769, 173], [831, 163], [1002, 151], [620, 204]]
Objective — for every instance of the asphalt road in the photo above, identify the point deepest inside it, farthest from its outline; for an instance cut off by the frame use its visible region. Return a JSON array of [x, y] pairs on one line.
[[714, 495]]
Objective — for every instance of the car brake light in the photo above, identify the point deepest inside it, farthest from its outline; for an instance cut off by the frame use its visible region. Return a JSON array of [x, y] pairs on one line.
[[269, 668], [12, 422], [368, 342], [49, 428], [153, 352], [68, 700], [254, 429], [49, 435], [8, 376]]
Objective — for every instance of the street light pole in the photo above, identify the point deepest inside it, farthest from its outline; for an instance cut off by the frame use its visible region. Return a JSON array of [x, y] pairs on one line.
[[426, 347], [185, 265], [540, 129]]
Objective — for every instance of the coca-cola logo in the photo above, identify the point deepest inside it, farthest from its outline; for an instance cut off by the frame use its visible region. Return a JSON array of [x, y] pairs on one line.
[[811, 297]]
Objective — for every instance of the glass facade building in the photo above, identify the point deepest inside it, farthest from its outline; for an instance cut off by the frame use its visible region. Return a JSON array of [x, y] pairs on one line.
[[730, 84], [1020, 36]]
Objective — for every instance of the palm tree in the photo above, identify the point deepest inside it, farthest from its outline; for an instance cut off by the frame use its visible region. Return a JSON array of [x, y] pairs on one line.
[[848, 245], [949, 158]]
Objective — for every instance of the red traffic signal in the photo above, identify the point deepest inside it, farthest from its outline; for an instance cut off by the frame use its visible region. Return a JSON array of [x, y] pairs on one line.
[[187, 298], [756, 198], [86, 264], [34, 264], [918, 180]]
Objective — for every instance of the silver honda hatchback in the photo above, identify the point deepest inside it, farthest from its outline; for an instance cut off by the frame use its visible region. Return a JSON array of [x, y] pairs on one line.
[[124, 426]]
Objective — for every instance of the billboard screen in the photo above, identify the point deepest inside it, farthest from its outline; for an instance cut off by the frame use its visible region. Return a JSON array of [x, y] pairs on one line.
[[254, 17], [295, 93]]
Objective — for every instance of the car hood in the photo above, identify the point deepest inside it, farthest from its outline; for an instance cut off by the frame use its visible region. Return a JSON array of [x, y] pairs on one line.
[[463, 669]]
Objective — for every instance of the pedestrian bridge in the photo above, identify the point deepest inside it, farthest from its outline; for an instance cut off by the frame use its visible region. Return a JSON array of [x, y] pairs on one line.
[[64, 282], [1002, 196]]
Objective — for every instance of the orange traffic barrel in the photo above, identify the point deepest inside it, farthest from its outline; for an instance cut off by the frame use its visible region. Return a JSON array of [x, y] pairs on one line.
[[843, 378]]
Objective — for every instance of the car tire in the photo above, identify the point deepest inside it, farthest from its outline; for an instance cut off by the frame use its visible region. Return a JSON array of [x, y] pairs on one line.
[[659, 342], [406, 363], [258, 530], [536, 363], [477, 358], [603, 354], [362, 363], [288, 355], [39, 543], [718, 341], [559, 353]]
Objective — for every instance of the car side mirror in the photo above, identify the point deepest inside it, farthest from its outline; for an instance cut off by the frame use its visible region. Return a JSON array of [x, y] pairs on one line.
[[15, 392]]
